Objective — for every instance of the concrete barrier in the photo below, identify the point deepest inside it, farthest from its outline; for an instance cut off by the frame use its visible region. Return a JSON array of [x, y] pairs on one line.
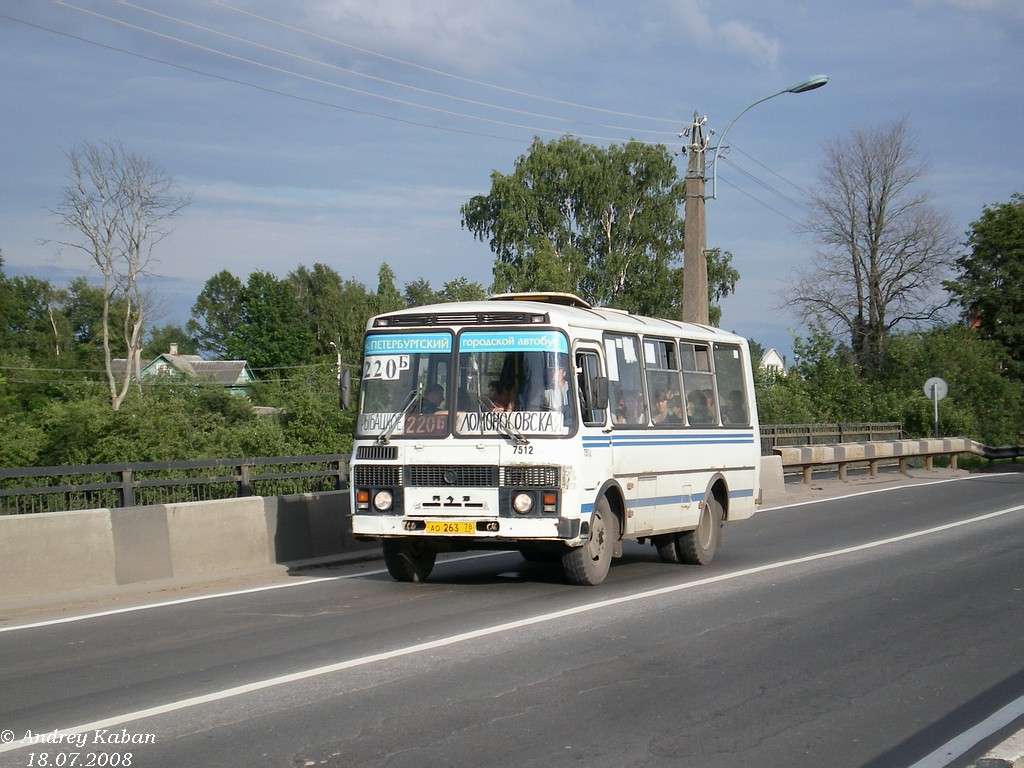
[[811, 457], [59, 552]]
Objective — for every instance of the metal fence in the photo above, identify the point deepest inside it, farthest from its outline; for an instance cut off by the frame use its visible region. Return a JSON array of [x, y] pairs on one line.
[[97, 486], [779, 435]]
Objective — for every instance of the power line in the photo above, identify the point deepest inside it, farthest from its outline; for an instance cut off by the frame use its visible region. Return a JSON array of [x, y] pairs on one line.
[[321, 81], [431, 70], [768, 187], [759, 202], [265, 89], [386, 81]]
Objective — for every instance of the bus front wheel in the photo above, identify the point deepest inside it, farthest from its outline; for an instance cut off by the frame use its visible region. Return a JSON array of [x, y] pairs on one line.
[[697, 547], [408, 560], [588, 565]]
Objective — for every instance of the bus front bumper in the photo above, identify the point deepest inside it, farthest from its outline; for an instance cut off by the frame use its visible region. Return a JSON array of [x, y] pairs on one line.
[[469, 529]]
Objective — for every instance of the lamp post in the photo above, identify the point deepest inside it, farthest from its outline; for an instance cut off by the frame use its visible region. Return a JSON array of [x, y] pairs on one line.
[[695, 263]]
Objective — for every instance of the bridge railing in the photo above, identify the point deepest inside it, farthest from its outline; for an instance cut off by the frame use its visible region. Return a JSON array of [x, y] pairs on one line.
[[810, 458], [782, 435], [96, 486]]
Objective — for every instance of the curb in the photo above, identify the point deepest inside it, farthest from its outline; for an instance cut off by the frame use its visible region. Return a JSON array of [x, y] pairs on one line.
[[1008, 754]]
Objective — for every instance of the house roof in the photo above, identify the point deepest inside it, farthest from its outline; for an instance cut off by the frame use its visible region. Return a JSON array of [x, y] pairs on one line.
[[228, 373]]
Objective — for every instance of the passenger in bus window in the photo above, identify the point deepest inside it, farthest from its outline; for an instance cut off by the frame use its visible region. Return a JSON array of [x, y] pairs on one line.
[[619, 414], [697, 411], [500, 396], [735, 409], [675, 410], [635, 408], [433, 397], [659, 407], [556, 397]]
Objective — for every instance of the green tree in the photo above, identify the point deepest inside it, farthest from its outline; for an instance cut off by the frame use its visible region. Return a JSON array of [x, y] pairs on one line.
[[600, 222], [461, 289], [990, 282], [160, 340], [387, 298], [319, 294], [357, 305], [418, 293], [272, 332], [84, 311], [982, 402], [216, 314], [35, 320]]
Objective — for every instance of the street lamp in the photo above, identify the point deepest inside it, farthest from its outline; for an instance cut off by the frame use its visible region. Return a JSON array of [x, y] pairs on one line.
[[807, 85], [695, 264]]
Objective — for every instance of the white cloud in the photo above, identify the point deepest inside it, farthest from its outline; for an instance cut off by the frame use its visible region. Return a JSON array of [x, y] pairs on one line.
[[488, 34], [740, 38], [733, 35]]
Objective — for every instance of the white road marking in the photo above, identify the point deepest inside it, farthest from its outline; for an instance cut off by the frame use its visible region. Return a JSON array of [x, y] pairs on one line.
[[444, 642], [953, 748]]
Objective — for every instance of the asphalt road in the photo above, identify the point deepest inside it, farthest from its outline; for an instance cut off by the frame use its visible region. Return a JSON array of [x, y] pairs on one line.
[[868, 630]]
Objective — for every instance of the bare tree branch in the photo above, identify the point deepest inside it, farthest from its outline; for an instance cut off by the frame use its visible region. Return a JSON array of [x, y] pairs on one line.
[[121, 206], [882, 249]]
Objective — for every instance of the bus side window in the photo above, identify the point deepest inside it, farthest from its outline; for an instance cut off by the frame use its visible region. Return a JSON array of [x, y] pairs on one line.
[[701, 402], [593, 388], [625, 380], [732, 394]]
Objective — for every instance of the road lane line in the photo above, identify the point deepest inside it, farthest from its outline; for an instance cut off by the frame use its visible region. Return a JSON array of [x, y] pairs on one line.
[[199, 598], [319, 579], [953, 748], [444, 642]]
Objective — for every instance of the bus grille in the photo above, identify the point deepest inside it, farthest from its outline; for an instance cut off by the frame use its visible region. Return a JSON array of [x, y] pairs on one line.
[[466, 476], [376, 475], [377, 452], [529, 477]]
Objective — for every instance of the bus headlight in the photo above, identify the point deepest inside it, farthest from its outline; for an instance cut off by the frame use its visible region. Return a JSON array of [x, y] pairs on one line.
[[382, 501], [522, 503]]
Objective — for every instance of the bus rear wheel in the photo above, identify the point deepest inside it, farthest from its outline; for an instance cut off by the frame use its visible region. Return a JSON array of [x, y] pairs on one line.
[[668, 550], [408, 560], [698, 547], [588, 565]]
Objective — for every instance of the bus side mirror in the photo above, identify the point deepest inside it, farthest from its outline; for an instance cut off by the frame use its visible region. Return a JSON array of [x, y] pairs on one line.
[[345, 390]]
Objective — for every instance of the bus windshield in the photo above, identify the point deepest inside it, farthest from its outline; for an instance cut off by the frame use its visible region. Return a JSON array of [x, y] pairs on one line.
[[515, 380], [512, 383]]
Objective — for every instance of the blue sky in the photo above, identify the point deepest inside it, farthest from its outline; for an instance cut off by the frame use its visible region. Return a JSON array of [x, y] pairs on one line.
[[349, 132]]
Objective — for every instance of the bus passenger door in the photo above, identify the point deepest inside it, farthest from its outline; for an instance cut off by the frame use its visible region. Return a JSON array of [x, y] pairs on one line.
[[592, 386]]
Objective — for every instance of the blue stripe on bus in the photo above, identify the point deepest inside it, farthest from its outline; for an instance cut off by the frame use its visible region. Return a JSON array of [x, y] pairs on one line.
[[694, 498], [629, 441]]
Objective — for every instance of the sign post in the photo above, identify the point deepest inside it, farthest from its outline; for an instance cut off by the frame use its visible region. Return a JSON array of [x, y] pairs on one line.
[[935, 389]]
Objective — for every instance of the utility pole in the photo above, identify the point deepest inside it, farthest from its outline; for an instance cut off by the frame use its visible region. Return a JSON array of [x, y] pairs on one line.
[[695, 263], [696, 302]]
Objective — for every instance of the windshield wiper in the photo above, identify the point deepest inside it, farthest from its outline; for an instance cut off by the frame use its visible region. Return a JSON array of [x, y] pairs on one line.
[[507, 430], [383, 438]]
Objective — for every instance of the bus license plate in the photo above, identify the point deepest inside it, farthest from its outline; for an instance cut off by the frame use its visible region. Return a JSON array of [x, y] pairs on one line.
[[450, 526]]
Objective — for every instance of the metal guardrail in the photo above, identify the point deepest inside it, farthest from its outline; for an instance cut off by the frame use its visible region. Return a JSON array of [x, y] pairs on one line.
[[95, 486], [780, 435], [808, 458]]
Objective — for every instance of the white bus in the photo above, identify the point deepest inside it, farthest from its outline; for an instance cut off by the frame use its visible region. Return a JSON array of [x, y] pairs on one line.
[[539, 423]]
